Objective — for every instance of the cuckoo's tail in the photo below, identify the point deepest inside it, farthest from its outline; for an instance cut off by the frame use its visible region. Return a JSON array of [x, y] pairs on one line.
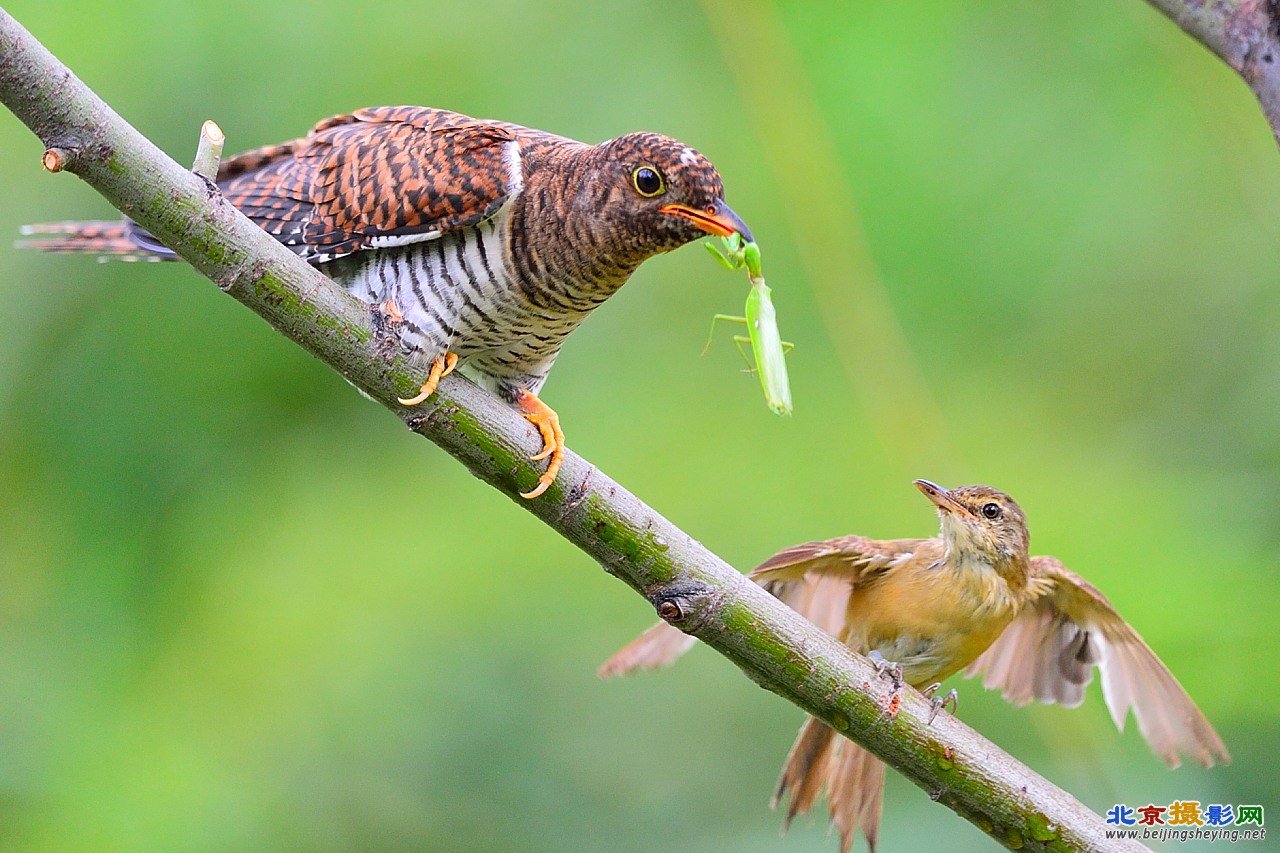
[[123, 240], [853, 777]]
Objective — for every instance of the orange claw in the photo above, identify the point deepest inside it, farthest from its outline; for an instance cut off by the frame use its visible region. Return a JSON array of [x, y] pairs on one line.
[[440, 368], [393, 312], [547, 421]]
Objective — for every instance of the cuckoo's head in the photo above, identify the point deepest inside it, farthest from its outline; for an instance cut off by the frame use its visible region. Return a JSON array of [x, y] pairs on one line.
[[655, 194]]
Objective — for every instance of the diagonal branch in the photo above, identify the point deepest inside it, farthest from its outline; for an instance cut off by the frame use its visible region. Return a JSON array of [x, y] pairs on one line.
[[1245, 34], [691, 587]]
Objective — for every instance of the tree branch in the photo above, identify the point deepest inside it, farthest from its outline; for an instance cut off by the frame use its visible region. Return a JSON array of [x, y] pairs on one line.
[[1245, 34], [696, 590]]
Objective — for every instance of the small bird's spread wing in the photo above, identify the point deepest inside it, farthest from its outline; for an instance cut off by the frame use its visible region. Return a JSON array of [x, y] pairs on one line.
[[820, 599], [655, 648], [382, 176], [814, 579], [851, 558], [1048, 653]]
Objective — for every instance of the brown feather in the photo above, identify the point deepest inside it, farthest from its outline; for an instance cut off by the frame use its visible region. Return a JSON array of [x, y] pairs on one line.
[[804, 773], [380, 172], [850, 557], [855, 794], [852, 777], [1049, 651], [94, 237], [820, 599], [655, 648], [258, 158]]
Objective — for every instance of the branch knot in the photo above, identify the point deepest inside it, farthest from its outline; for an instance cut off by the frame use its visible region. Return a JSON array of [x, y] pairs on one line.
[[687, 605]]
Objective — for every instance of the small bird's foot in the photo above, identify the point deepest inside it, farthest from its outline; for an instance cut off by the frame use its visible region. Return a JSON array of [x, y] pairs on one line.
[[884, 665], [440, 368], [952, 698], [547, 421]]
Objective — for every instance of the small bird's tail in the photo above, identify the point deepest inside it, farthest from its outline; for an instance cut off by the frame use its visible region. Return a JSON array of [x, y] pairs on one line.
[[853, 778], [123, 240], [655, 648]]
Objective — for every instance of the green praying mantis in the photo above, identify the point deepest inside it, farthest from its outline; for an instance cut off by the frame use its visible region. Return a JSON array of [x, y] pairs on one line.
[[761, 321]]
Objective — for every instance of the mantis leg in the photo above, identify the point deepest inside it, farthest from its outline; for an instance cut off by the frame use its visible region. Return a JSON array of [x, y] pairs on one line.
[[711, 333]]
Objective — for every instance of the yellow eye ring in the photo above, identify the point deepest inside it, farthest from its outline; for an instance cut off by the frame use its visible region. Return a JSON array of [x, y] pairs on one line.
[[648, 181]]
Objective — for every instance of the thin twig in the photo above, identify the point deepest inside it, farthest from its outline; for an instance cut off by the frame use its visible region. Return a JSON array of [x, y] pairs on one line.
[[209, 152], [688, 585]]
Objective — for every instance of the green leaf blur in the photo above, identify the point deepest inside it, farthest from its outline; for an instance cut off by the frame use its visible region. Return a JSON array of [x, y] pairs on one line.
[[242, 608]]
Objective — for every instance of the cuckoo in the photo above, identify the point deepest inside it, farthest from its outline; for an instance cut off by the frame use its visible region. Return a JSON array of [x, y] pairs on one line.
[[485, 243]]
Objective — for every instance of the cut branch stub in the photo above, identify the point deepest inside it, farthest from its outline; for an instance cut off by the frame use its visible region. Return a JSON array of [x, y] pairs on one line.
[[54, 160], [209, 151]]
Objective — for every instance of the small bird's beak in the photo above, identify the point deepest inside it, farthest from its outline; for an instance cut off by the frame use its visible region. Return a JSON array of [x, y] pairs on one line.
[[718, 219], [942, 499]]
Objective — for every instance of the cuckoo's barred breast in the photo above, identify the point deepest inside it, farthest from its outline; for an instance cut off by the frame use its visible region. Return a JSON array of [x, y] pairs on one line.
[[493, 240], [461, 293]]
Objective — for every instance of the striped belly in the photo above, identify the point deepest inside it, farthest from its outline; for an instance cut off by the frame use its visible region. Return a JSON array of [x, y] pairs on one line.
[[458, 294]]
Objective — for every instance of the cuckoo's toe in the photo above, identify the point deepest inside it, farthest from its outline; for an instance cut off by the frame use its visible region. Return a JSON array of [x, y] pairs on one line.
[[440, 368], [547, 421]]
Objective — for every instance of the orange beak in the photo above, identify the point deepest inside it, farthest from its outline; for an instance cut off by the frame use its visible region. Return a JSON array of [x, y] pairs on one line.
[[718, 219], [942, 499]]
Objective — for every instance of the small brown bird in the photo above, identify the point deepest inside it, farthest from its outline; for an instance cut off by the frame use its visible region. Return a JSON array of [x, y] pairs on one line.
[[485, 243], [969, 597]]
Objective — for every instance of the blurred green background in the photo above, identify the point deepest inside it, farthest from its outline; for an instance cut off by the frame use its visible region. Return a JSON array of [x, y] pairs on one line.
[[1031, 245]]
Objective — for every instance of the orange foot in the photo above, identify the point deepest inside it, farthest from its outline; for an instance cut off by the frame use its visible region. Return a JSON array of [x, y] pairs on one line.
[[392, 310], [547, 421], [440, 368]]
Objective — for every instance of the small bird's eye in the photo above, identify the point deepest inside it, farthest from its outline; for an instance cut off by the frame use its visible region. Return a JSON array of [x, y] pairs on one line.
[[991, 510], [647, 181]]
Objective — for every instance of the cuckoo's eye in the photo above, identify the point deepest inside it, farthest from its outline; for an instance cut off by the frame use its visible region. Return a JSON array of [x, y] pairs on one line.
[[991, 510], [648, 181]]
